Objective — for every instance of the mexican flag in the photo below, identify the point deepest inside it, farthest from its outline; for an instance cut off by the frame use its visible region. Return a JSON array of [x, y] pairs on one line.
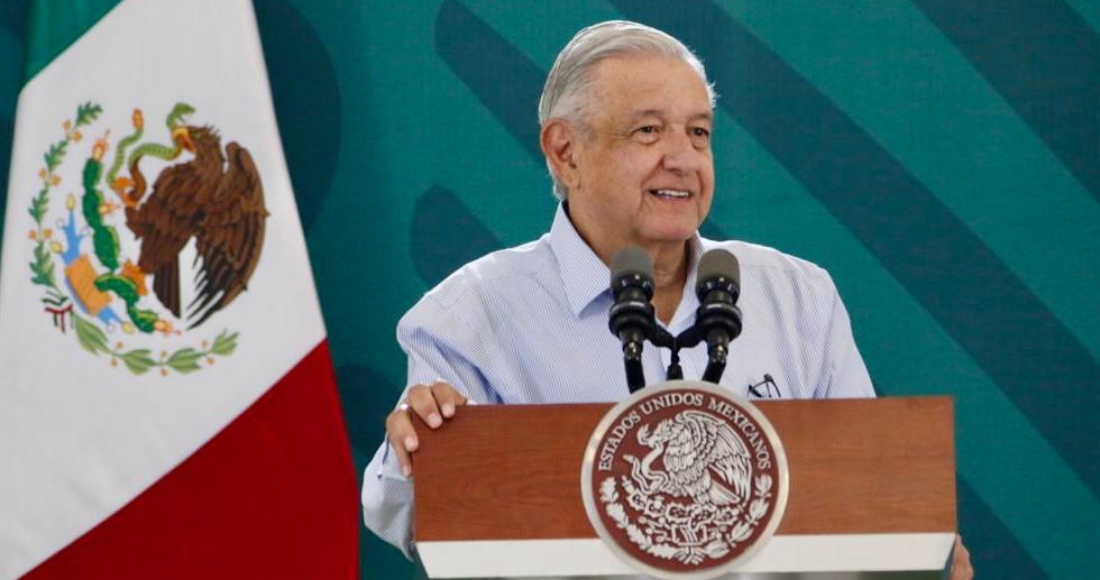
[[168, 407]]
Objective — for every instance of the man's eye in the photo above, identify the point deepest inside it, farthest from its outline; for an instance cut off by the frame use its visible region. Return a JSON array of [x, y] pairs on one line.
[[648, 129], [700, 132]]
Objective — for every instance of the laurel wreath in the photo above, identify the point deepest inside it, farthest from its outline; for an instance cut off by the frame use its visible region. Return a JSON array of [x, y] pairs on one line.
[[140, 360], [652, 543], [58, 303], [43, 265]]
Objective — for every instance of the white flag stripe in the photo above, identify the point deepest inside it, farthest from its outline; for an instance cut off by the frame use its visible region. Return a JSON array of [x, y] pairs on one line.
[[79, 437]]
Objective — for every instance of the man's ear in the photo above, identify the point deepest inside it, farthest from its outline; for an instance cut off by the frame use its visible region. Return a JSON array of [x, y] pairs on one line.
[[558, 140]]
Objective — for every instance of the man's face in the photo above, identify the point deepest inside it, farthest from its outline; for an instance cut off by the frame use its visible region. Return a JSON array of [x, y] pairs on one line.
[[644, 172]]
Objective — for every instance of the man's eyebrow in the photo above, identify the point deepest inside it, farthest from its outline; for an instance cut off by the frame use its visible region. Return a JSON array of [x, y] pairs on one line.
[[703, 116], [707, 116], [646, 113]]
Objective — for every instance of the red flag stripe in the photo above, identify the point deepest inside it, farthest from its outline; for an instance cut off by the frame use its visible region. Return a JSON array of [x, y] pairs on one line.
[[273, 495]]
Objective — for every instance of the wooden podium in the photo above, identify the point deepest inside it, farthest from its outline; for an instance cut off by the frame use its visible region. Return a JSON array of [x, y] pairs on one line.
[[872, 489]]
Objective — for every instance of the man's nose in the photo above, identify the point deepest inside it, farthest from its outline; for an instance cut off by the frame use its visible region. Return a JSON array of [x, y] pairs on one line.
[[681, 154]]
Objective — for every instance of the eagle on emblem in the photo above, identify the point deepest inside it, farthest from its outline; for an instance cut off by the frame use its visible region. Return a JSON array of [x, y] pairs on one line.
[[704, 459], [216, 198]]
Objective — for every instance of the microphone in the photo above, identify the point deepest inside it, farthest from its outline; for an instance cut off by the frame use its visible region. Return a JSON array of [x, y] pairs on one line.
[[718, 319], [631, 317]]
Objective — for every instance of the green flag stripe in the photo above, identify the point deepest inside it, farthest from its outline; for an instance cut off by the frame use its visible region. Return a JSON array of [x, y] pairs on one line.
[[57, 24]]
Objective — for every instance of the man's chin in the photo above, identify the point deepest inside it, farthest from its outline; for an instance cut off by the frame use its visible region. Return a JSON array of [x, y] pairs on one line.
[[671, 235]]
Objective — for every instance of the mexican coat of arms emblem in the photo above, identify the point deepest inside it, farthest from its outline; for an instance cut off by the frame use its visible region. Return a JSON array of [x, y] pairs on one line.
[[684, 480], [109, 237]]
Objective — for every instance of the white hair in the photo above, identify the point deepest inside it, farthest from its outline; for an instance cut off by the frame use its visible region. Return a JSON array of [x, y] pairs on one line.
[[565, 94]]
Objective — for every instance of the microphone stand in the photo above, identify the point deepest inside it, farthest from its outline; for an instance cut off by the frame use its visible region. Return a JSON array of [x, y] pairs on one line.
[[632, 360], [717, 354], [716, 364], [632, 356], [661, 337]]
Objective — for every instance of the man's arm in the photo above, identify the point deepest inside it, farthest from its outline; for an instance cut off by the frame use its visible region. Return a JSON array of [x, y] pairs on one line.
[[387, 481], [844, 373], [441, 380]]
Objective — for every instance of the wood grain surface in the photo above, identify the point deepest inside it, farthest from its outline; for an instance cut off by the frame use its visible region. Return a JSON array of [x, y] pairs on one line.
[[856, 466]]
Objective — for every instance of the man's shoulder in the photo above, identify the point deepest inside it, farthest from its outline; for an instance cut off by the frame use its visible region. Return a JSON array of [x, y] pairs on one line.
[[765, 260], [497, 271]]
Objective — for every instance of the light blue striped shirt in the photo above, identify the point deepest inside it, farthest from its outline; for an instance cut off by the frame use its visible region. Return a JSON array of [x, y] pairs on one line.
[[530, 325]]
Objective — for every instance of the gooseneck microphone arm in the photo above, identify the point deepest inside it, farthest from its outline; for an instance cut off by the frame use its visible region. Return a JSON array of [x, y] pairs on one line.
[[718, 319], [632, 317]]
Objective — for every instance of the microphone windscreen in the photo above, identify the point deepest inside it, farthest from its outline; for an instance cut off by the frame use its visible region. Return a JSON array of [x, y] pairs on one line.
[[631, 260], [718, 263]]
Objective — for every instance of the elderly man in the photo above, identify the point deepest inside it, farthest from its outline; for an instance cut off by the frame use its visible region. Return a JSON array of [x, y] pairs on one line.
[[626, 117]]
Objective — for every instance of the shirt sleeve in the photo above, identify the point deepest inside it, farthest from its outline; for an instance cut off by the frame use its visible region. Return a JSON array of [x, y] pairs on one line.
[[434, 340], [388, 500], [845, 374]]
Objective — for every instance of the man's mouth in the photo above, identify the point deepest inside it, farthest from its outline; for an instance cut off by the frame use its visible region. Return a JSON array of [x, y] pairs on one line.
[[670, 193]]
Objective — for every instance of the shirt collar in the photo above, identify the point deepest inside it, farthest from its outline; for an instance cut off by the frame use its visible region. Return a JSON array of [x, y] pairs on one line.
[[586, 278]]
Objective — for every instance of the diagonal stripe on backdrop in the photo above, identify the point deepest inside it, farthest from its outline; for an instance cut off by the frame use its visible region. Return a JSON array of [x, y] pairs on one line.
[[480, 58], [969, 291], [440, 215], [302, 71], [1049, 72], [1001, 554]]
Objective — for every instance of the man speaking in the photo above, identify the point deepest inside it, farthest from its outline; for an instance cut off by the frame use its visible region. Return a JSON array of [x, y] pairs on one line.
[[626, 120]]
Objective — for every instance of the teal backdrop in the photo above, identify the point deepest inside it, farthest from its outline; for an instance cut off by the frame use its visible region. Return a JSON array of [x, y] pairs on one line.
[[941, 158]]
